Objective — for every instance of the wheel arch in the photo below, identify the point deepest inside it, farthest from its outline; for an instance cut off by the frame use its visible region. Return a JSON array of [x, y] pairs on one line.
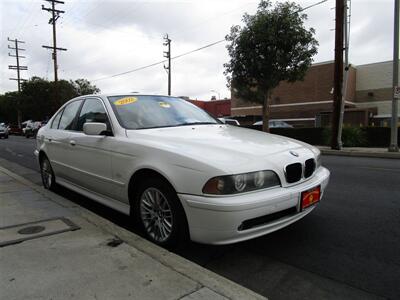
[[138, 175], [42, 155], [133, 187]]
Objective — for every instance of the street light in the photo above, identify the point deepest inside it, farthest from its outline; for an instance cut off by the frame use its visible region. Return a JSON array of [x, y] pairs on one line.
[[215, 91]]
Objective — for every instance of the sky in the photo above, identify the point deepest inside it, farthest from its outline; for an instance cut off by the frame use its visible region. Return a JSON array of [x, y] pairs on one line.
[[108, 37]]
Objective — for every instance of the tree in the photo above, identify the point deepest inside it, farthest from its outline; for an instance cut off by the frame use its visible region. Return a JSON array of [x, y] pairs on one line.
[[272, 46], [36, 100], [84, 87], [8, 107]]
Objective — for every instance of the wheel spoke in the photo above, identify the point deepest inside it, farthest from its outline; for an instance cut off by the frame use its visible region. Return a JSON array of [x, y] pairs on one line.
[[47, 174], [156, 214]]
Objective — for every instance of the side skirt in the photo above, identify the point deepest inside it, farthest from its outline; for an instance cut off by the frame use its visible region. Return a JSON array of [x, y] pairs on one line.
[[107, 201]]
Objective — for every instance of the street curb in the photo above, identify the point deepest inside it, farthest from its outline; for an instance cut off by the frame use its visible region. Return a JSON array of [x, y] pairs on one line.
[[361, 154], [206, 278]]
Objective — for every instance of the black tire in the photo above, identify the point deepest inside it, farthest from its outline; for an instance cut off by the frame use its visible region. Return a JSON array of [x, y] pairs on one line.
[[6, 136], [47, 174], [152, 228]]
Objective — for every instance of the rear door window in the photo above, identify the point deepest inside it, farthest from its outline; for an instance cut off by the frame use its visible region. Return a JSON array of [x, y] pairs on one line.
[[56, 120]]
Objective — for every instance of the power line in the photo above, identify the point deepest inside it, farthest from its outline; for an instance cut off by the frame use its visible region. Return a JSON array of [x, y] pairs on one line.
[[159, 62], [312, 5], [192, 51], [152, 37]]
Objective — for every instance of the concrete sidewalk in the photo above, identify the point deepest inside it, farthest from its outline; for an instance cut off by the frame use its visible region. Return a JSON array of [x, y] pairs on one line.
[[360, 151], [69, 252]]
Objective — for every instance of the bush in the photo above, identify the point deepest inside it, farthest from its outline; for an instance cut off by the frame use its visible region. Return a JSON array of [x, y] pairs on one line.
[[354, 137], [351, 136]]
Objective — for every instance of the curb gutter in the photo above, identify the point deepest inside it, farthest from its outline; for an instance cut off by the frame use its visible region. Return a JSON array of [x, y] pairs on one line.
[[392, 155]]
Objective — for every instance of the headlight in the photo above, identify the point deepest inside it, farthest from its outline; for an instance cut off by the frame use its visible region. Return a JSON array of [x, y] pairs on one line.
[[241, 183], [318, 161], [317, 153]]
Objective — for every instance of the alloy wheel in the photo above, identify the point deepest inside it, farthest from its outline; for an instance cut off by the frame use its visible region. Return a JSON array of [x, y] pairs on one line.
[[47, 174], [156, 214]]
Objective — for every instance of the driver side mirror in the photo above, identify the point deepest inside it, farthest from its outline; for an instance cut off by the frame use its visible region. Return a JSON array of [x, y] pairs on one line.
[[94, 128]]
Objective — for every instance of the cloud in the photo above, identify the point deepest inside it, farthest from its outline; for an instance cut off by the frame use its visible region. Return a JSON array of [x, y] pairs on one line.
[[108, 37]]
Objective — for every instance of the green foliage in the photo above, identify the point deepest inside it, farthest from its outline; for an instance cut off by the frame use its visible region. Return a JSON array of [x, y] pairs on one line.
[[84, 87], [8, 109], [272, 46], [36, 99], [351, 137]]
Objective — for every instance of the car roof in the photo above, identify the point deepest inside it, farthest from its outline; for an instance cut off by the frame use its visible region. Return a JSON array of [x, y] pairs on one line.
[[125, 94]]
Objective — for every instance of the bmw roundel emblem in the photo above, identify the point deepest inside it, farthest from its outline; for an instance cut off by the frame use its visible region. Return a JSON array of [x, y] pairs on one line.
[[294, 153]]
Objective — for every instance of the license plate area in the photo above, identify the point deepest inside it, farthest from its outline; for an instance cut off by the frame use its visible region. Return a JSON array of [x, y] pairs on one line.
[[310, 197]]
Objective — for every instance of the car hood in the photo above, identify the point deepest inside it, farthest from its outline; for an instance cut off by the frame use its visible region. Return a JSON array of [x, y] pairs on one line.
[[228, 148]]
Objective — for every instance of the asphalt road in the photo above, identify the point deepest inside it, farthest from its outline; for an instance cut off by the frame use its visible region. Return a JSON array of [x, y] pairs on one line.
[[347, 248]]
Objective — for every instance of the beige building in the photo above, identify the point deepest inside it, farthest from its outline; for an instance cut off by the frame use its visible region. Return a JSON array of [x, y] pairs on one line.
[[309, 102], [374, 89]]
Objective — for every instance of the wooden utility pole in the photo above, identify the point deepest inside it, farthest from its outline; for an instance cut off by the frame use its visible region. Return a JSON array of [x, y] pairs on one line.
[[18, 68], [346, 70], [167, 54], [338, 73], [53, 20], [394, 147]]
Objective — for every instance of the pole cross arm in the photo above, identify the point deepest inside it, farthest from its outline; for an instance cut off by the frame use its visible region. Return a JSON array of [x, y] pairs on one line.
[[10, 40], [51, 10], [56, 48], [55, 1], [12, 55], [21, 79], [18, 67]]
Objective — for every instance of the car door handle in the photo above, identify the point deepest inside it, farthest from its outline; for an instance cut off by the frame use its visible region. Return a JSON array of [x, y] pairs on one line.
[[72, 143]]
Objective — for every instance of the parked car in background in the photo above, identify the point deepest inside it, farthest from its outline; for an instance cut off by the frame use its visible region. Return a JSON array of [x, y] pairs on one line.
[[275, 124], [24, 125], [14, 129], [229, 121], [176, 170], [32, 128], [3, 131]]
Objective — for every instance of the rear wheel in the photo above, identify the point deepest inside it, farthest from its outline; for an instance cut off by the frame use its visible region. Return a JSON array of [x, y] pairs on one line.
[[159, 213], [46, 171]]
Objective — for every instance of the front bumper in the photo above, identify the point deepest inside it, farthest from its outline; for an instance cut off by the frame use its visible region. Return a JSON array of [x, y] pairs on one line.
[[216, 220]]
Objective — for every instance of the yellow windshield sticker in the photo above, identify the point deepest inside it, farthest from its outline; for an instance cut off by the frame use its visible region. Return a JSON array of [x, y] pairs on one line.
[[126, 100], [164, 104]]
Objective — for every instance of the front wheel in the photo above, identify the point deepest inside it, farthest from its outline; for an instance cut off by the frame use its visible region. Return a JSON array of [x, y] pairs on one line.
[[159, 213], [46, 171]]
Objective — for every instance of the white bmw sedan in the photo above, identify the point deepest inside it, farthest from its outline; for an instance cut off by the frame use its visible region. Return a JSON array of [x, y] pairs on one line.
[[178, 171]]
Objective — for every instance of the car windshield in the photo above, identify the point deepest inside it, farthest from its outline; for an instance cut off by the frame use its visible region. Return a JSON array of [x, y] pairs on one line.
[[142, 112]]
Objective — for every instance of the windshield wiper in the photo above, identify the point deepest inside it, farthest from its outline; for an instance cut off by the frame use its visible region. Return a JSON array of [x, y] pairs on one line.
[[196, 123], [183, 124]]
